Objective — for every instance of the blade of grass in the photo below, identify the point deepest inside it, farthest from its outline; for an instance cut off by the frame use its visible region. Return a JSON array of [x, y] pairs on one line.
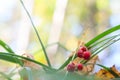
[[104, 44], [66, 74], [9, 57], [5, 76], [109, 70], [102, 35], [12, 59], [65, 63], [104, 40], [6, 47], [41, 43]]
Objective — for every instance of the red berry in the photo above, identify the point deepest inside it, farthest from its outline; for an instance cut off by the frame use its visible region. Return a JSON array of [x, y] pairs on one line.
[[86, 55], [71, 67], [79, 67], [80, 53], [83, 48]]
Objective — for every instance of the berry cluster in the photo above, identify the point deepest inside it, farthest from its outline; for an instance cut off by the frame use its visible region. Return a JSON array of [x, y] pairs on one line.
[[84, 53], [72, 67]]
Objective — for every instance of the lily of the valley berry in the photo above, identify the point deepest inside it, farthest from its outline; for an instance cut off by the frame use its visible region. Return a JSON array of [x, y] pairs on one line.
[[82, 52]]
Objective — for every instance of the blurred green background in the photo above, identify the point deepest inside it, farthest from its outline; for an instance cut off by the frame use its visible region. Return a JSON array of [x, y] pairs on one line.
[[58, 21]]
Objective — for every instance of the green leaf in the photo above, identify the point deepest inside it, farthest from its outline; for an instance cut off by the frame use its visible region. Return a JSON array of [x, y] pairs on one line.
[[13, 57], [104, 47], [103, 35], [103, 41], [101, 45], [48, 61], [66, 63], [6, 47], [10, 58]]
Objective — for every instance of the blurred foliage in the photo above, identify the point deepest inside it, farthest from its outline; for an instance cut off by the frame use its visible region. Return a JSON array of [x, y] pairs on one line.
[[39, 56], [44, 9]]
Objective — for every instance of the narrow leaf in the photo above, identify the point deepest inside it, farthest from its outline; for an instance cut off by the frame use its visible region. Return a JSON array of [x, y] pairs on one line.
[[48, 61], [103, 35], [65, 63], [9, 57], [6, 47], [102, 41]]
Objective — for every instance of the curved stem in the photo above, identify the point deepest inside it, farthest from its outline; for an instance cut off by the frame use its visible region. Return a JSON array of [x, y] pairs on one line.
[[48, 61]]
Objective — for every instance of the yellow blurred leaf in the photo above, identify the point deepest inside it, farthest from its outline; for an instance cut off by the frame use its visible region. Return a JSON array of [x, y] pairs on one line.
[[40, 57], [106, 75]]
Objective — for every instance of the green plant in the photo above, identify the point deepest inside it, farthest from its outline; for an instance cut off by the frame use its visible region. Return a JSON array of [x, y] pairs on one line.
[[96, 45]]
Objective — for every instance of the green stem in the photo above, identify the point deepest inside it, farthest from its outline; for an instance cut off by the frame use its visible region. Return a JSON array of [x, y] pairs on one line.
[[48, 61]]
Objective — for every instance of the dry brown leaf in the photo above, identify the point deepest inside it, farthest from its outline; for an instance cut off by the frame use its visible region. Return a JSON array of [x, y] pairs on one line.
[[91, 63], [106, 75], [80, 43], [113, 68], [89, 67]]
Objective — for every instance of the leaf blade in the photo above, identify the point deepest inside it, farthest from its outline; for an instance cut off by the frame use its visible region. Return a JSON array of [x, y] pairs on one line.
[[41, 43], [6, 47], [3, 54], [102, 35]]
